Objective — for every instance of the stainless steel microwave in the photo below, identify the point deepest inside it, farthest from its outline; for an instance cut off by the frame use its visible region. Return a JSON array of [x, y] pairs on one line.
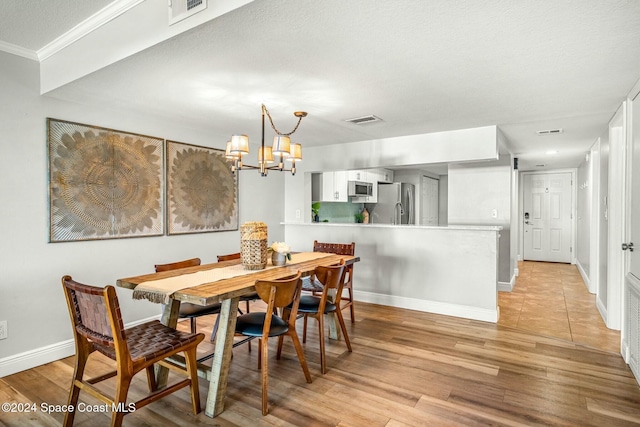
[[359, 188]]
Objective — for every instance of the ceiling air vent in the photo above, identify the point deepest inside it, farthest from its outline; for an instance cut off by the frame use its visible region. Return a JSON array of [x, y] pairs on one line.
[[549, 132], [364, 120], [181, 9]]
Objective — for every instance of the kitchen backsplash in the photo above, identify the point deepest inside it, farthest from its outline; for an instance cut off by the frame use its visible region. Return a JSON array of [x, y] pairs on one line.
[[339, 212]]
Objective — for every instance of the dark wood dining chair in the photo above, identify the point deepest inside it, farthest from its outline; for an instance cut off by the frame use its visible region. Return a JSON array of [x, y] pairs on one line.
[[97, 326], [277, 294], [188, 310], [333, 278], [340, 249]]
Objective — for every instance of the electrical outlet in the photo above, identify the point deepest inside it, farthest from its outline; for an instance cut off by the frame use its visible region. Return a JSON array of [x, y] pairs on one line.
[[297, 213], [3, 329]]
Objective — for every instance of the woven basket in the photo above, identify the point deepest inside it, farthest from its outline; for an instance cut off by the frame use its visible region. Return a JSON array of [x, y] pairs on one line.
[[253, 245]]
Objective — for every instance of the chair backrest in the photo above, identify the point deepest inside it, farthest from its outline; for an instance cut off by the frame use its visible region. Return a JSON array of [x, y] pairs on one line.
[[335, 248], [178, 264], [279, 293], [340, 249], [229, 257], [95, 314], [331, 277]]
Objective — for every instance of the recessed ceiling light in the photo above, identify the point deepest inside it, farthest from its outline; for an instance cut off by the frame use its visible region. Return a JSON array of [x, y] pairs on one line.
[[552, 152]]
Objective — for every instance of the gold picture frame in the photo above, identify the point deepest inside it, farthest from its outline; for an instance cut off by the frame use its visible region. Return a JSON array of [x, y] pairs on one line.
[[202, 192], [103, 183]]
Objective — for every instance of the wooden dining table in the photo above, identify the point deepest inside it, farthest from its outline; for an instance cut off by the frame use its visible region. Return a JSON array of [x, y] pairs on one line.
[[227, 291]]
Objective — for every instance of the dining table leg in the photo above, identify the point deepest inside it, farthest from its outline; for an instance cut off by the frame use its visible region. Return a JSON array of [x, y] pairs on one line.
[[169, 318], [222, 357]]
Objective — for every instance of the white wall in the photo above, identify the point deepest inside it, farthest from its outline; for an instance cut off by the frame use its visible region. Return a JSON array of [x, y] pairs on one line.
[[603, 241], [475, 191], [583, 225], [32, 300], [443, 206]]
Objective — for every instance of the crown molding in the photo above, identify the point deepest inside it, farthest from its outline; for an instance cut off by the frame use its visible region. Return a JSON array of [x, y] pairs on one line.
[[95, 21], [18, 50]]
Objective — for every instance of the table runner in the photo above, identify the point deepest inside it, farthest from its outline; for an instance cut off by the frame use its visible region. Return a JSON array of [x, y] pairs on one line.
[[160, 291]]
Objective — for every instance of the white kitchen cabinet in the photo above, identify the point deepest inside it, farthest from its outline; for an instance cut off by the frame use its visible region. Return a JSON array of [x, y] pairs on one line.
[[334, 186], [384, 175], [357, 175]]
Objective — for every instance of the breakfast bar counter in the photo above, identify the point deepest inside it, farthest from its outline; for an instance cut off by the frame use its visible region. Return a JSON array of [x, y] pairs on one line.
[[449, 270]]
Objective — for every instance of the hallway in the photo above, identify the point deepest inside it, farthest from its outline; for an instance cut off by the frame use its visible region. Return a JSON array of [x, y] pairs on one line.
[[551, 299]]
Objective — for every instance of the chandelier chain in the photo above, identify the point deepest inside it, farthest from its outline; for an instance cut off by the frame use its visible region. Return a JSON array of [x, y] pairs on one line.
[[274, 126]]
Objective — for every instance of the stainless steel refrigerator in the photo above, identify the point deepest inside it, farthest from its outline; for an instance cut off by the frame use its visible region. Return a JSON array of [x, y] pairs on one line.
[[395, 204]]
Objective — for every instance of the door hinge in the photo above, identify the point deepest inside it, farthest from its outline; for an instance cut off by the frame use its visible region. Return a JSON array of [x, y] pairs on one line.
[[570, 249]]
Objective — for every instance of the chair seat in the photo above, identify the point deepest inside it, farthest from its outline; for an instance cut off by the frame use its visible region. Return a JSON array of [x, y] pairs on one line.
[[310, 304], [251, 324], [150, 340], [188, 310]]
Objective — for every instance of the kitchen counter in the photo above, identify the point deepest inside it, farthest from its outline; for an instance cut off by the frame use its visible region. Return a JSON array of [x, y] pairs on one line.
[[411, 226], [450, 270]]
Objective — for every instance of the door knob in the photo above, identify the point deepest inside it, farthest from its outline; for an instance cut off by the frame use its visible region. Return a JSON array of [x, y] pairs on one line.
[[626, 246]]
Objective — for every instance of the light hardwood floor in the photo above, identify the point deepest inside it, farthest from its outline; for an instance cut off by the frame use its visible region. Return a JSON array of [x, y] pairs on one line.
[[407, 368], [551, 299]]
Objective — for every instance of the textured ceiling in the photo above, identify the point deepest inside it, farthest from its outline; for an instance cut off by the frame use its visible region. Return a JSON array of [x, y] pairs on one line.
[[422, 66], [32, 24]]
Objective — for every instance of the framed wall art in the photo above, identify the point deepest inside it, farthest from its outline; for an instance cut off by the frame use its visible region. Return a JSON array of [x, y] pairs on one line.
[[103, 183], [202, 192]]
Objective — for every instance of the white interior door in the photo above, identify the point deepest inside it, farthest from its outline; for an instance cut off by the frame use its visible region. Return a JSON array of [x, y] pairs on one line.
[[547, 217], [616, 218], [633, 227], [631, 233], [429, 201]]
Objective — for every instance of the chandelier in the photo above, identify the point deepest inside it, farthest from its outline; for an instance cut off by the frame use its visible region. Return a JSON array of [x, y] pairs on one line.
[[282, 147]]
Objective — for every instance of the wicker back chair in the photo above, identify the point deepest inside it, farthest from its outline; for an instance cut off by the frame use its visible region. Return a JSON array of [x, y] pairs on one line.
[[97, 326], [341, 249]]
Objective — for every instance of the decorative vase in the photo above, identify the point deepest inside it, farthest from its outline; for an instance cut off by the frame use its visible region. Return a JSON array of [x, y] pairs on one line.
[[253, 245], [278, 259]]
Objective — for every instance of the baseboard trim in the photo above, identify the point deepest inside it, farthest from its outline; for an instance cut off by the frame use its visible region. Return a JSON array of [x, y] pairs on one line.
[[508, 286], [602, 310], [585, 277], [624, 351], [435, 307], [47, 354]]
